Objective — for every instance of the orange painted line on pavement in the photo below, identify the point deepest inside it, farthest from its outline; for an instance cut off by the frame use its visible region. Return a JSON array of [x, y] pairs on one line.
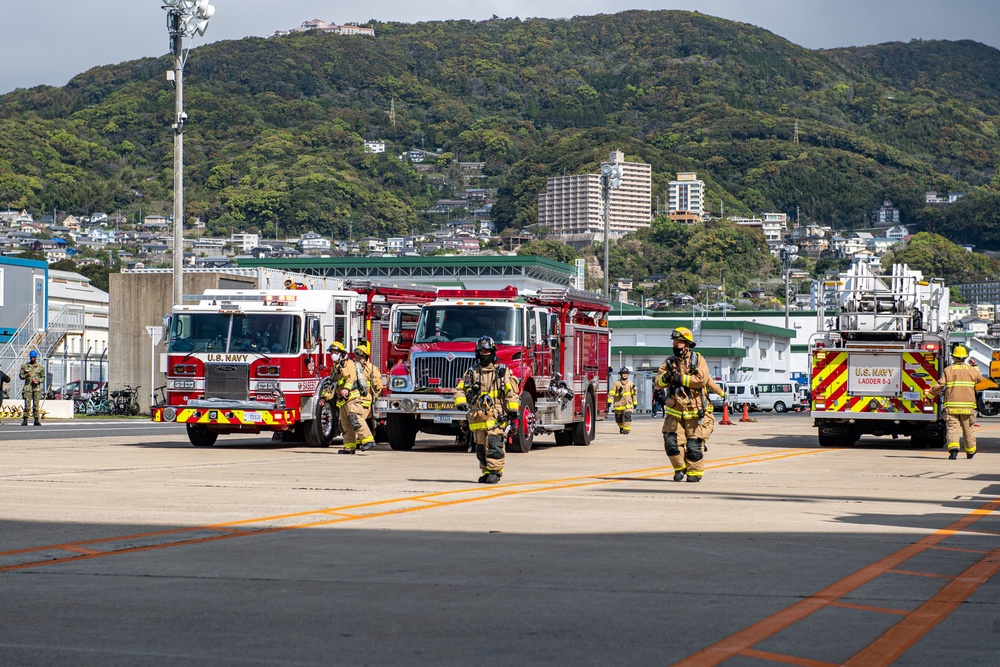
[[228, 530], [81, 550], [967, 551], [900, 638], [743, 640], [868, 607], [911, 573], [786, 659]]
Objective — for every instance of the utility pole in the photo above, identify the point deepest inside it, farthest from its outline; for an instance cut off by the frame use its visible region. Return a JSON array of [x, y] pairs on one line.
[[611, 179]]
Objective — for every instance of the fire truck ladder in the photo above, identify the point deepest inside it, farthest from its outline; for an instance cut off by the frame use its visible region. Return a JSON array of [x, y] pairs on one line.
[[575, 297]]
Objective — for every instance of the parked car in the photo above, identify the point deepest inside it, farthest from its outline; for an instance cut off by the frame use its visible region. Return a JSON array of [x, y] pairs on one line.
[[71, 390]]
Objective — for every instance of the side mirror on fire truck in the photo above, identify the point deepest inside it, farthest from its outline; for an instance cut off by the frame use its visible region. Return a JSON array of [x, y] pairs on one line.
[[315, 333]]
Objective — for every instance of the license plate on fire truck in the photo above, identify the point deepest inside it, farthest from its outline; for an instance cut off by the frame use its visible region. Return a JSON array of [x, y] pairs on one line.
[[442, 419], [251, 416]]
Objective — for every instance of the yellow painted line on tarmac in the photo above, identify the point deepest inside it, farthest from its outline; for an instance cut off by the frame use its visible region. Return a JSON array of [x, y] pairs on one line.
[[84, 549]]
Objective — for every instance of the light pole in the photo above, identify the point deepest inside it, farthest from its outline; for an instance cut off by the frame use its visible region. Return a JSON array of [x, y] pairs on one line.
[[611, 179], [787, 257], [185, 18]]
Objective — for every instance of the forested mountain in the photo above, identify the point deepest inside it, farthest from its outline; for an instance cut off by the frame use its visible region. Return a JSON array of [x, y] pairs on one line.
[[276, 125]]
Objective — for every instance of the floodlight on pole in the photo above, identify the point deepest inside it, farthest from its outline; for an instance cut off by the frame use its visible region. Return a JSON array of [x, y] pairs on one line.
[[787, 257], [185, 18], [611, 179]]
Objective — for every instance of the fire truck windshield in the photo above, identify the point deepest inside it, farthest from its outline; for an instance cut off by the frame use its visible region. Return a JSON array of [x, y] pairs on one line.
[[256, 333], [469, 323]]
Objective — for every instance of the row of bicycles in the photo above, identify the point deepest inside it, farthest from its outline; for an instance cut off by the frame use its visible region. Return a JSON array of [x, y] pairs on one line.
[[121, 402]]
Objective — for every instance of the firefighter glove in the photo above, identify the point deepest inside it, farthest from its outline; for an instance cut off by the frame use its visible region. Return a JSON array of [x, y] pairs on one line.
[[463, 407], [677, 379], [501, 370]]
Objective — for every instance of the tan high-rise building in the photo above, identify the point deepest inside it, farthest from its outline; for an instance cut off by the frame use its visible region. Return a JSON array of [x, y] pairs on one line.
[[573, 206]]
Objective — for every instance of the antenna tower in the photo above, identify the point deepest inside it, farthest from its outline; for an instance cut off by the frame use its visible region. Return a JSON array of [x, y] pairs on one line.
[[392, 112], [796, 140]]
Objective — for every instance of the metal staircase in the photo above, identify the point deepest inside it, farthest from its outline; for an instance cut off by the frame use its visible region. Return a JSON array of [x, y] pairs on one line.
[[13, 353]]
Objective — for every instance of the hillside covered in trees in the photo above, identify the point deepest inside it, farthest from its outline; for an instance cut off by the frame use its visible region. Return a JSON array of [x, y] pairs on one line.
[[276, 125]]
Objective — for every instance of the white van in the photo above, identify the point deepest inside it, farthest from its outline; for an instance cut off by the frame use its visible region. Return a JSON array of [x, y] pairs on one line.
[[739, 394], [778, 396]]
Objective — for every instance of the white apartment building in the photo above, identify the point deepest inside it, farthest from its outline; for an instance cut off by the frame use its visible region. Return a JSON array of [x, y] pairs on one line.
[[774, 226], [686, 195], [573, 206], [374, 146], [244, 242]]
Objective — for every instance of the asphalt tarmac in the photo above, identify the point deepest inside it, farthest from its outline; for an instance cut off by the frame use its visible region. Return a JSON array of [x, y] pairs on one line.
[[120, 544]]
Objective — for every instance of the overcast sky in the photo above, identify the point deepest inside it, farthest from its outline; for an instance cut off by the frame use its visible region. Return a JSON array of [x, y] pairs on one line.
[[50, 41]]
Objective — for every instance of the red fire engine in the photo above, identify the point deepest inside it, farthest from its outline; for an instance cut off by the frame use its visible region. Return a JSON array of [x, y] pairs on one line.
[[255, 361], [555, 341]]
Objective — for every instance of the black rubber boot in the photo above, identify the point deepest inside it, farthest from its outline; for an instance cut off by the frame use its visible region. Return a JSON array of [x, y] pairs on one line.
[[482, 480], [952, 455], [492, 478], [37, 423], [345, 451], [24, 422], [368, 445], [969, 455], [679, 475], [694, 479]]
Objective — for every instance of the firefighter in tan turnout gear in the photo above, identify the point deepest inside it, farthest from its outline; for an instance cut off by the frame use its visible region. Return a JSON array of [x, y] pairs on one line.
[[348, 391], [959, 384], [373, 380], [621, 400], [488, 395], [689, 422]]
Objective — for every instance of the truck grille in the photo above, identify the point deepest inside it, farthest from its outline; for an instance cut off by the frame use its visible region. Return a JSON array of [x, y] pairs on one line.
[[228, 381], [440, 372]]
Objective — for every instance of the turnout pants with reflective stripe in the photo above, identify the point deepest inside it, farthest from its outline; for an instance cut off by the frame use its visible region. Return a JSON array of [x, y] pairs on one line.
[[684, 430], [489, 449], [352, 420], [624, 419], [960, 426]]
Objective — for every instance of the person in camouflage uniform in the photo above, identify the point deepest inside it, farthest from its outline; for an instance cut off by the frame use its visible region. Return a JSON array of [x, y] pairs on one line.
[[488, 393], [33, 374]]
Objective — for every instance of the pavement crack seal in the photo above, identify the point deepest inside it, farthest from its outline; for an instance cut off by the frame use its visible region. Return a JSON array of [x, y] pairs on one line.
[[53, 554]]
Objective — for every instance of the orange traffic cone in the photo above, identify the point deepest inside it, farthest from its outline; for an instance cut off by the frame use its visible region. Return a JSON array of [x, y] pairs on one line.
[[725, 415], [746, 414]]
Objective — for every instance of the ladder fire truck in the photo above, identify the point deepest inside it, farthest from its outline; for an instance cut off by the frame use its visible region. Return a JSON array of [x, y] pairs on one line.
[[249, 361], [555, 342], [873, 362]]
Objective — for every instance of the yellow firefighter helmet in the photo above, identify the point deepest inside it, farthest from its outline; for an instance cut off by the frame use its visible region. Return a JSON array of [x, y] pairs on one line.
[[683, 333], [960, 352], [363, 348]]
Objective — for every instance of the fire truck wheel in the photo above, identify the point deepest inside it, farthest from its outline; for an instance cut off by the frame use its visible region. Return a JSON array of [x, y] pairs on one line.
[[525, 435], [402, 430], [986, 409], [322, 428], [584, 431], [201, 436]]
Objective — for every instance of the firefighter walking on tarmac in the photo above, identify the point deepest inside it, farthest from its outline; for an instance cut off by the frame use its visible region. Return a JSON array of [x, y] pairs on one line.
[[348, 390], [488, 395], [688, 424], [959, 384], [372, 378], [621, 399]]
